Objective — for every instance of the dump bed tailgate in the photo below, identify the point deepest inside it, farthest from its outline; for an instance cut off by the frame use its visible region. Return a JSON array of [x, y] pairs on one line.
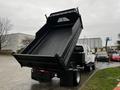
[[44, 62]]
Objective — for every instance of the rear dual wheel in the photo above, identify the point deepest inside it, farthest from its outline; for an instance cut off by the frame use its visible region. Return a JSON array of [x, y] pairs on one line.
[[76, 78], [70, 78], [93, 67], [46, 78], [89, 68]]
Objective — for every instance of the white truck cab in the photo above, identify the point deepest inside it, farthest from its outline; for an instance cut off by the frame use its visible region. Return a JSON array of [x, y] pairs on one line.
[[89, 58]]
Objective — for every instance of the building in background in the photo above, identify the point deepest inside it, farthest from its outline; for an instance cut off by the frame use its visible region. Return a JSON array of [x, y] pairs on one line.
[[16, 41], [91, 42]]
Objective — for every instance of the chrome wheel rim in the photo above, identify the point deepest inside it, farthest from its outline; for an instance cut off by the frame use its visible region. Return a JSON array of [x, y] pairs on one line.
[[78, 77]]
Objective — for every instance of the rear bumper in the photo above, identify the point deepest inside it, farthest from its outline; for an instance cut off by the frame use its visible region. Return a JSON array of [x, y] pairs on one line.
[[41, 76], [115, 59]]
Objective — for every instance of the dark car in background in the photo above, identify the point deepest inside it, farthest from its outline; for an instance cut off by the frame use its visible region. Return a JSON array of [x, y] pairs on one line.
[[102, 56]]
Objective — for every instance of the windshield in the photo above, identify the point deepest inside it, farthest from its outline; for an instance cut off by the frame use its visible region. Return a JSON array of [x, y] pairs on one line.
[[116, 54], [102, 54]]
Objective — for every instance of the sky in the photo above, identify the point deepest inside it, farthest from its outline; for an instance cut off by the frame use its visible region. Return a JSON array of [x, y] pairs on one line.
[[101, 18]]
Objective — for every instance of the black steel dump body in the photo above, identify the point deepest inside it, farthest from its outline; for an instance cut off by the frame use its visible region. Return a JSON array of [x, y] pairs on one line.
[[54, 42]]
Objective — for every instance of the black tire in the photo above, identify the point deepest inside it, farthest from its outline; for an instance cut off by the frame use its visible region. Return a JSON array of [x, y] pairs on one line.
[[45, 79], [76, 78], [87, 68], [70, 78], [41, 77], [66, 78], [93, 67]]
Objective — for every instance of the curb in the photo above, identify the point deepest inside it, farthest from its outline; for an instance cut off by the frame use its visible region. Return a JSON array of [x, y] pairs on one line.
[[83, 85]]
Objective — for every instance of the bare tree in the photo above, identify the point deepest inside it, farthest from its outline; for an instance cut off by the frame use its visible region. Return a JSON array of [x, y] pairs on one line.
[[5, 26]]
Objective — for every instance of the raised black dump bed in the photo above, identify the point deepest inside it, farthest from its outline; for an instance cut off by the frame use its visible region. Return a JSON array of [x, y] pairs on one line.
[[54, 42]]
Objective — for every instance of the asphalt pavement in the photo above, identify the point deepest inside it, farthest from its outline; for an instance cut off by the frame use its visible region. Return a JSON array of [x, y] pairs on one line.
[[103, 65], [13, 77]]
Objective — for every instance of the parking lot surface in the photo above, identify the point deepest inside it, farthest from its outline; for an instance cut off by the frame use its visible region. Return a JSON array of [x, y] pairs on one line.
[[13, 77], [103, 65]]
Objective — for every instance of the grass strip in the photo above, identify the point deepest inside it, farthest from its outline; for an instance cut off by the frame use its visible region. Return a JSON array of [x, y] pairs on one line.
[[105, 79]]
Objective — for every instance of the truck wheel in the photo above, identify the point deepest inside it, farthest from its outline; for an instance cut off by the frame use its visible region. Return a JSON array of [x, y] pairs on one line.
[[93, 67], [66, 78], [76, 78], [45, 79], [87, 68], [41, 76], [70, 78]]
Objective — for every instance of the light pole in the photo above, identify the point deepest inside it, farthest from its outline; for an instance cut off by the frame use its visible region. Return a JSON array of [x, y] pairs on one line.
[[106, 44]]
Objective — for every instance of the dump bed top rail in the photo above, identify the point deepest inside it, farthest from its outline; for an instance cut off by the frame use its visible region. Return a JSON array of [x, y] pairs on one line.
[[65, 12]]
